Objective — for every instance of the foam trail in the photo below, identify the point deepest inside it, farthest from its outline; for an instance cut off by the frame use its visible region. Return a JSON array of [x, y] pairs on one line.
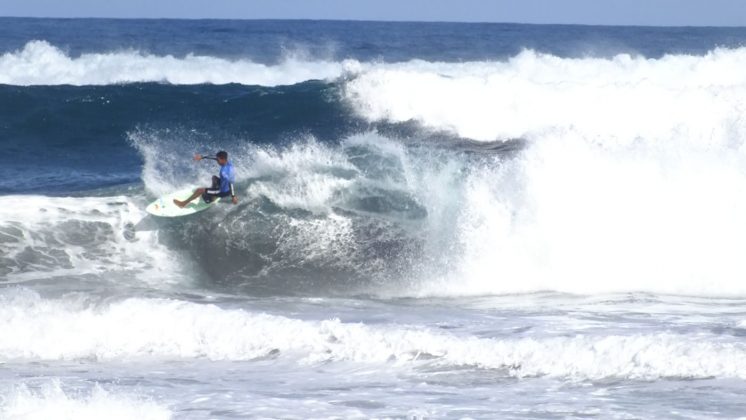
[[35, 328], [52, 401], [40, 63]]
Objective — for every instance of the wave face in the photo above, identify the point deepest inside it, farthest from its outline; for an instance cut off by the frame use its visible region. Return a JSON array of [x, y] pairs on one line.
[[336, 219], [436, 178], [558, 216], [631, 174], [615, 178], [512, 172]]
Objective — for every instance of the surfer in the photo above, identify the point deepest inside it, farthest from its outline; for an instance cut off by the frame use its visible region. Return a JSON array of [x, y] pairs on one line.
[[222, 186]]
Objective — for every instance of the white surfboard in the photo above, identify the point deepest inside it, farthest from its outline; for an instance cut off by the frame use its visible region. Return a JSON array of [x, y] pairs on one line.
[[165, 207]]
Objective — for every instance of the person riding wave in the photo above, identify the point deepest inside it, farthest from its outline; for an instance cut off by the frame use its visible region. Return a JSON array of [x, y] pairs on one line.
[[222, 186]]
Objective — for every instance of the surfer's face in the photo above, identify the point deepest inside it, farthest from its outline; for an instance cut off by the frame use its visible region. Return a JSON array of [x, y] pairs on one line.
[[222, 162]]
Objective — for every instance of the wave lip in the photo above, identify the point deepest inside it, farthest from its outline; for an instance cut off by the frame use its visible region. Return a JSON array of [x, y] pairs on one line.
[[34, 328], [621, 98], [40, 63]]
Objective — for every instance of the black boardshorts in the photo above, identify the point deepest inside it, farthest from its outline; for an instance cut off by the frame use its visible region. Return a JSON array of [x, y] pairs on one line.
[[214, 191]]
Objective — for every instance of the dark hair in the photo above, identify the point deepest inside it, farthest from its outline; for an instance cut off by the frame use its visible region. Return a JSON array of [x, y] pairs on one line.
[[221, 155]]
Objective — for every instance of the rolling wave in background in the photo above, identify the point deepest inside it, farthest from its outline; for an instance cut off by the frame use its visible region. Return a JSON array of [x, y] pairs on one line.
[[40, 63]]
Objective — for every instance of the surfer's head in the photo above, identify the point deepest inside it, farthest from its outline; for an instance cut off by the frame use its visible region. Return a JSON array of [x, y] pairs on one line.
[[222, 157]]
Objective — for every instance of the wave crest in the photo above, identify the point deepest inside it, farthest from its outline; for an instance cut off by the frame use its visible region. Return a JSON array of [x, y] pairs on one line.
[[620, 99], [163, 328], [40, 63]]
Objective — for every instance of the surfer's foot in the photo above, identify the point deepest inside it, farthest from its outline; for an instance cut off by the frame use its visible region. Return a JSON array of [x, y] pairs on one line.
[[179, 204]]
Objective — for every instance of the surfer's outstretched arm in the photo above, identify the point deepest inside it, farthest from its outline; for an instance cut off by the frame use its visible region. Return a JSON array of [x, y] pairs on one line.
[[199, 157]]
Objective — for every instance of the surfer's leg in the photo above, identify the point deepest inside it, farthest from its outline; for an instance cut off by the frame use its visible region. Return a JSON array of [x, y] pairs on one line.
[[209, 194], [196, 194], [206, 193]]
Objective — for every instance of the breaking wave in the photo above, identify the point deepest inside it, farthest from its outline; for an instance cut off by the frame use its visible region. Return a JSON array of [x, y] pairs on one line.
[[588, 175], [43, 329], [40, 63], [619, 101]]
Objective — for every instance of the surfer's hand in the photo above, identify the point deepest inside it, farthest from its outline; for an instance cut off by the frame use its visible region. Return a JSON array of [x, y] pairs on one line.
[[197, 156], [235, 200]]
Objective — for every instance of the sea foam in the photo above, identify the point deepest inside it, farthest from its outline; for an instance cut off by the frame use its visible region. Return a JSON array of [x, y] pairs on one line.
[[631, 178], [46, 237], [53, 401], [42, 329]]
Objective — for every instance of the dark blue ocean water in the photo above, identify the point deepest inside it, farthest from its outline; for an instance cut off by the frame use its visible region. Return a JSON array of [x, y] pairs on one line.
[[76, 137], [267, 40]]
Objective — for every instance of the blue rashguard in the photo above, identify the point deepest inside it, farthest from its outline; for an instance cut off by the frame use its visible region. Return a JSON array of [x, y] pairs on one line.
[[227, 178], [221, 186]]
